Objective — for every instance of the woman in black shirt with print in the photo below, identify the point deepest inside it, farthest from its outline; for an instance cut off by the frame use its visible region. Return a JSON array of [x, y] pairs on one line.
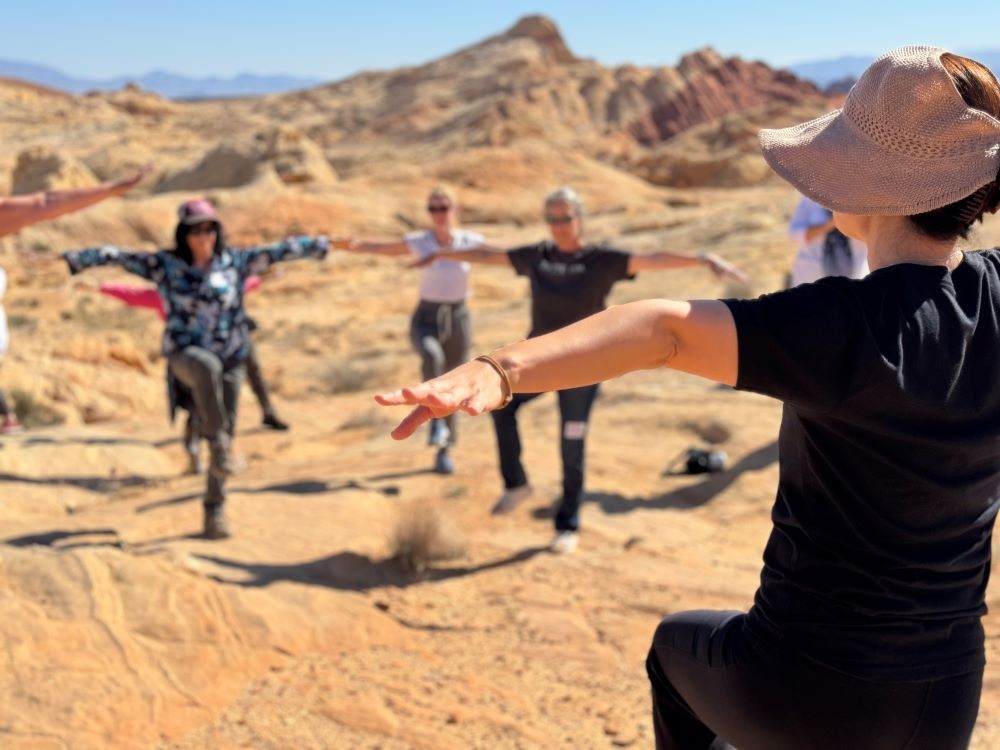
[[570, 280], [865, 631]]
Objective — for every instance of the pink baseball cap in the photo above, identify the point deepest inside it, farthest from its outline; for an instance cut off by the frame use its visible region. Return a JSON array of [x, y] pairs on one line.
[[197, 211]]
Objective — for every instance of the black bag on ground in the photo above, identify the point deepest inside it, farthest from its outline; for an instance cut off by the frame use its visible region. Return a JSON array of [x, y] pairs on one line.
[[697, 461]]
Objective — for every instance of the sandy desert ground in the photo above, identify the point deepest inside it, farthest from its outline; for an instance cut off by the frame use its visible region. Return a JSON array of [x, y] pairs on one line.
[[122, 629]]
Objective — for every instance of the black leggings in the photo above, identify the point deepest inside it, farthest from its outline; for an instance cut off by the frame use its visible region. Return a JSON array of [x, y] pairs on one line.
[[574, 411], [710, 679]]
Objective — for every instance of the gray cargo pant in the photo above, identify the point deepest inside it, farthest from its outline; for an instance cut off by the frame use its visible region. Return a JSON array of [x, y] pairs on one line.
[[215, 386]]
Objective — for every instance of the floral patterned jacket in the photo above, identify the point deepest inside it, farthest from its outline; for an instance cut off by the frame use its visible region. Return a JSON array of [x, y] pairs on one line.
[[203, 308]]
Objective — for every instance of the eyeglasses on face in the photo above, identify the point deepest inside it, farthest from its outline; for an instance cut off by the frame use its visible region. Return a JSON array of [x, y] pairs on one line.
[[207, 228], [438, 208], [550, 219]]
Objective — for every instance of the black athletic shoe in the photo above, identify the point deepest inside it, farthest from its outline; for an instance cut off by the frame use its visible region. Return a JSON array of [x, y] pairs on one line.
[[443, 463], [272, 421], [216, 523]]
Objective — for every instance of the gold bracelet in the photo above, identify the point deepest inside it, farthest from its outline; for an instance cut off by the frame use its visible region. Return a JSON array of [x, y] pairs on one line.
[[507, 389]]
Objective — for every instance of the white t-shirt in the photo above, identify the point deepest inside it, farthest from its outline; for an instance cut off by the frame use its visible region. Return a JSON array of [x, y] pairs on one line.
[[4, 336], [808, 265], [443, 280]]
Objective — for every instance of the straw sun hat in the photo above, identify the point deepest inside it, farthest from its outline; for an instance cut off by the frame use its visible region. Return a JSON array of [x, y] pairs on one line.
[[904, 143]]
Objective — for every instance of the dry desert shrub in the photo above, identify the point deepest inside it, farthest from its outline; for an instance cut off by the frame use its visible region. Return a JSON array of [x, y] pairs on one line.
[[372, 419], [22, 323], [346, 376], [424, 535], [31, 412]]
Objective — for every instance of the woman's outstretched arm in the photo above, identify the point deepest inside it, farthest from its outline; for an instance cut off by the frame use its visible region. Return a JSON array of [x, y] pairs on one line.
[[485, 255], [147, 265], [253, 261], [371, 247], [133, 296], [665, 261], [20, 211], [695, 337]]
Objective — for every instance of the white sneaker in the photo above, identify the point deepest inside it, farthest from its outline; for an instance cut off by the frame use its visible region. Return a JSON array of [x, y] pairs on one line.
[[510, 499], [565, 542]]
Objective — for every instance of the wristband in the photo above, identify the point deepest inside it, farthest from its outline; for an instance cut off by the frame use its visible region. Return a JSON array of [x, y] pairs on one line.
[[507, 389]]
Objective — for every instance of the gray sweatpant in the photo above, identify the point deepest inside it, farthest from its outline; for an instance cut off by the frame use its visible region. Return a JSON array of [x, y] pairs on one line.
[[215, 388], [441, 333]]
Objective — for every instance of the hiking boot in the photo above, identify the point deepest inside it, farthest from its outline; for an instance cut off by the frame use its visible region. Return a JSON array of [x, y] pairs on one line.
[[11, 426], [565, 542], [221, 464], [439, 434], [216, 523], [443, 463], [271, 420], [510, 499]]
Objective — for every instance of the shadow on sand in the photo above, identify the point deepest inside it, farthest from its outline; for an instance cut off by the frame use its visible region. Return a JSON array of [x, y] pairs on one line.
[[685, 498], [301, 487], [74, 539], [94, 484], [350, 571], [40, 440]]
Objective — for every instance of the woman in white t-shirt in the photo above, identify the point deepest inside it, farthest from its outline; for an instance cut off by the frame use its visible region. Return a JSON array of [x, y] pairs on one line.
[[440, 329], [8, 420], [822, 249]]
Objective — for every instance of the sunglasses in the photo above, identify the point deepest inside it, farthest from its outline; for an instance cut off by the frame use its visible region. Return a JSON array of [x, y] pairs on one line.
[[202, 229], [550, 219], [437, 208]]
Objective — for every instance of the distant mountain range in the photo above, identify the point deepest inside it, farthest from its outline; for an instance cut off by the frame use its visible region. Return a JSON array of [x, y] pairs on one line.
[[821, 72], [163, 83], [825, 72]]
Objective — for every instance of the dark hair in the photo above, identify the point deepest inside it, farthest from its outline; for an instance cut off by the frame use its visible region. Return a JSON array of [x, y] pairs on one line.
[[980, 90], [183, 250]]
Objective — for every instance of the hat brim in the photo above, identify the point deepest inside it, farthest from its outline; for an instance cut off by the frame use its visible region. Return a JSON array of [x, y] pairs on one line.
[[198, 219], [833, 163]]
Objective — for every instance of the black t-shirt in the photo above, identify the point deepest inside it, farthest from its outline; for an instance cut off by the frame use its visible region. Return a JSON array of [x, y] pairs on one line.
[[567, 287], [890, 465]]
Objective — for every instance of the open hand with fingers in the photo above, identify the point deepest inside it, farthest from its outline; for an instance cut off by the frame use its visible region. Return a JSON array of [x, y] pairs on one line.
[[724, 269], [475, 388], [122, 186]]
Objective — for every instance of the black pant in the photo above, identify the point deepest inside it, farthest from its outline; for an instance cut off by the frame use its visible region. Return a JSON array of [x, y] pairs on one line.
[[441, 333], [711, 678], [574, 411], [215, 389], [257, 383]]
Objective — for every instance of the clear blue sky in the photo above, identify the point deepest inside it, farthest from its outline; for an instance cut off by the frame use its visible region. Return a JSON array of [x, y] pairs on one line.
[[330, 40]]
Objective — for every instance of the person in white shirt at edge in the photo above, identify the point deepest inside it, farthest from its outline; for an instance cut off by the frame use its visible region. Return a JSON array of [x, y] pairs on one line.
[[440, 330], [20, 211], [823, 249]]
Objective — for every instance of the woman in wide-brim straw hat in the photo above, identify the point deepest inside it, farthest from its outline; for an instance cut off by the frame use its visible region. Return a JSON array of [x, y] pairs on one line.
[[865, 631]]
